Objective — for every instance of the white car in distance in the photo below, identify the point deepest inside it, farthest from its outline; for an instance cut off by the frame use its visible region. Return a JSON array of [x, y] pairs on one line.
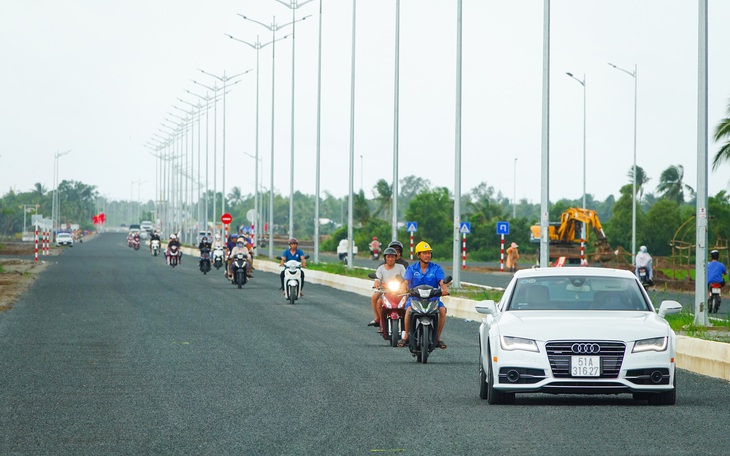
[[576, 331], [64, 239]]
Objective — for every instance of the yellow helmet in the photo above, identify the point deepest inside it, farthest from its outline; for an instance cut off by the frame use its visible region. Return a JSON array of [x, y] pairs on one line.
[[423, 247]]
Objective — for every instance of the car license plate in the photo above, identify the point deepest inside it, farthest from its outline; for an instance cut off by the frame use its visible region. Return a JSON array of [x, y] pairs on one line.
[[585, 366]]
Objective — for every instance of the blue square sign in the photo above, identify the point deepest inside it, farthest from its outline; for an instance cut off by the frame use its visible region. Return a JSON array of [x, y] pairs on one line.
[[502, 227]]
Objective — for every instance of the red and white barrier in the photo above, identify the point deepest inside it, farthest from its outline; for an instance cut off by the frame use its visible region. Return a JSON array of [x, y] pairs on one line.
[[501, 253], [36, 243], [463, 250]]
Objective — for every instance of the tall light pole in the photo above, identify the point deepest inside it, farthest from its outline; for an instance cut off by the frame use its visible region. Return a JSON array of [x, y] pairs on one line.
[[56, 202], [701, 214], [633, 196], [352, 137], [197, 109], [514, 190], [257, 204], [293, 5], [545, 140], [224, 79], [583, 225], [317, 157], [26, 208], [396, 118], [274, 27], [456, 271]]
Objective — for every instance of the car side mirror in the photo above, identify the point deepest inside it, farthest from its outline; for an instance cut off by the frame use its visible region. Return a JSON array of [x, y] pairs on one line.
[[669, 307], [487, 307]]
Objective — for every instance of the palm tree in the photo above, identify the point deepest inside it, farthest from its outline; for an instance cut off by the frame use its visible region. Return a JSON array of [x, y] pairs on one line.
[[722, 132], [39, 190], [671, 185], [641, 179], [235, 197], [384, 198]]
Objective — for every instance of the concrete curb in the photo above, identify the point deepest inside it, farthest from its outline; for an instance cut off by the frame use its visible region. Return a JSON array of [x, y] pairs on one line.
[[696, 355]]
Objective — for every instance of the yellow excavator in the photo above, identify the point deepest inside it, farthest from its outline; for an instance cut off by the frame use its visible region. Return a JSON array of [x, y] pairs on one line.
[[565, 236]]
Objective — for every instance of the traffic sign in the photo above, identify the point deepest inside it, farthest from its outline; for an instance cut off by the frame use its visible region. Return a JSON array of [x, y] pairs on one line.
[[251, 215], [465, 228], [411, 227], [502, 227], [226, 218]]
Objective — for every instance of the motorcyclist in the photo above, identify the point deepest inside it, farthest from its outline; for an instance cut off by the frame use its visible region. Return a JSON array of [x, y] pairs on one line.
[[715, 270], [643, 260], [374, 246], [155, 237], [230, 245], [240, 248], [293, 253], [385, 272], [204, 244], [425, 272], [170, 242], [399, 249]]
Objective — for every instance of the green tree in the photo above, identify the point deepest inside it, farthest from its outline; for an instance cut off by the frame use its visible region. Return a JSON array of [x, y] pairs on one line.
[[661, 222], [235, 197], [618, 228], [433, 210], [384, 198], [360, 208], [671, 184]]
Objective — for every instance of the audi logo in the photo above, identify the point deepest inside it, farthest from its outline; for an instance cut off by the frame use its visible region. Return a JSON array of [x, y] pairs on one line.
[[584, 349]]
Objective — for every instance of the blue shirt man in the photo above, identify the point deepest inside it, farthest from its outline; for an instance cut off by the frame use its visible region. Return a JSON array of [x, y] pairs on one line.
[[715, 269], [433, 276], [293, 253]]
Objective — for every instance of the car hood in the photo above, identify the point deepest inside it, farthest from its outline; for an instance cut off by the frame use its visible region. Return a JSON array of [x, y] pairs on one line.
[[597, 325]]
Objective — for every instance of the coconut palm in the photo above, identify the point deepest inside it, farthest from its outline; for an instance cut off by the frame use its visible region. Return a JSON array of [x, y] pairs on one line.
[[384, 198], [722, 132], [235, 197], [641, 179], [671, 185]]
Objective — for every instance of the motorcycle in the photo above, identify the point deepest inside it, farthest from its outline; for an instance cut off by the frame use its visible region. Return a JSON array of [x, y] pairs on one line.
[[218, 257], [155, 247], [392, 310], [135, 243], [204, 261], [130, 242], [424, 323], [644, 277], [713, 303], [292, 279], [173, 254], [239, 266]]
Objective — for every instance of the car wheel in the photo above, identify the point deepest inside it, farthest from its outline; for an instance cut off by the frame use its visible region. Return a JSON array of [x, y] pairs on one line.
[[482, 378], [666, 397], [496, 397]]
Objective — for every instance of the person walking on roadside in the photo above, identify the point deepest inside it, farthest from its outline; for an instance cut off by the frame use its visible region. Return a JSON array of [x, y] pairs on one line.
[[513, 257]]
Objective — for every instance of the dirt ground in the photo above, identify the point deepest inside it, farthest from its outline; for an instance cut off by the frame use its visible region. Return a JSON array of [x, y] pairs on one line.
[[18, 270]]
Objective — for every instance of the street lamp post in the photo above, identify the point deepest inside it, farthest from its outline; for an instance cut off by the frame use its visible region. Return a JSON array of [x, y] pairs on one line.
[[274, 27], [56, 202], [257, 203], [583, 225], [352, 138], [634, 75], [293, 5], [26, 208]]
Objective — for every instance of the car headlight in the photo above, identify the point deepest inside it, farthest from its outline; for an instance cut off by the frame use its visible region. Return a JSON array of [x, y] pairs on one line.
[[518, 343], [655, 344]]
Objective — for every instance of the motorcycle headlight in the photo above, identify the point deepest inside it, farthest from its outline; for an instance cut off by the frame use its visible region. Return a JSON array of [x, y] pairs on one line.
[[393, 285], [656, 344], [518, 343]]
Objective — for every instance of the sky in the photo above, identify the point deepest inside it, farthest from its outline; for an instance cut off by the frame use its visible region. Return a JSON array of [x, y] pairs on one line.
[[100, 78]]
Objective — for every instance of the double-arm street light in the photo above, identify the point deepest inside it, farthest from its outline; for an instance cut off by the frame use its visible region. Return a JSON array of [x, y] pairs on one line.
[[293, 5], [273, 27], [633, 199], [257, 203]]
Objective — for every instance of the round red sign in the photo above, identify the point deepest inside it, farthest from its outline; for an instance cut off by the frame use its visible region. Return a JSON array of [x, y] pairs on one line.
[[226, 218]]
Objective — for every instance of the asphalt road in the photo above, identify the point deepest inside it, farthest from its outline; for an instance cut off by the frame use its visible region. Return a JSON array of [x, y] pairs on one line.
[[113, 352]]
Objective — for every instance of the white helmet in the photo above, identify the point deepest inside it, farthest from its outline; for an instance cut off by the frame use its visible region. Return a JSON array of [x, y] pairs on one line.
[[172, 236], [217, 237]]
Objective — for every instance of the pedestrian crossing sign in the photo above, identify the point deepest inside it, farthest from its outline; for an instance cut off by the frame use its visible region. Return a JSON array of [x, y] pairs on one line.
[[465, 228], [412, 227]]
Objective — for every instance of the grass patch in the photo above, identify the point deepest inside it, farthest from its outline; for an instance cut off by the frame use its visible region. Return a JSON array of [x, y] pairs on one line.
[[340, 269], [476, 293], [683, 323], [679, 274]]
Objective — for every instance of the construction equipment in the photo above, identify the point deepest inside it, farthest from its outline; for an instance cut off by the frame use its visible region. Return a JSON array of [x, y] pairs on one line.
[[565, 236]]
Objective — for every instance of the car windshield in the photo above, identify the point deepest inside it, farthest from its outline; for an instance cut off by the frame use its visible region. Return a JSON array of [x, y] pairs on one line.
[[577, 293]]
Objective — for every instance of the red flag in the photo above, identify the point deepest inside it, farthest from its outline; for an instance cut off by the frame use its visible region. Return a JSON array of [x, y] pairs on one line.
[[95, 220]]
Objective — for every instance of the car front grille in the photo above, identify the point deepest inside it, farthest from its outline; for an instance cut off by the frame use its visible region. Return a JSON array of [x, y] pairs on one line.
[[611, 353]]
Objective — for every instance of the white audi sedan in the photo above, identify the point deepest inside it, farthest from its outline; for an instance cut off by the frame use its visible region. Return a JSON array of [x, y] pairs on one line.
[[576, 331]]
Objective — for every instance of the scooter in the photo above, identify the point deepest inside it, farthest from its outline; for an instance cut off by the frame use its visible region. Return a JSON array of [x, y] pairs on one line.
[[155, 247], [714, 301], [239, 266], [135, 243], [424, 323], [204, 261], [173, 254], [292, 279], [644, 278], [392, 310], [218, 257]]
